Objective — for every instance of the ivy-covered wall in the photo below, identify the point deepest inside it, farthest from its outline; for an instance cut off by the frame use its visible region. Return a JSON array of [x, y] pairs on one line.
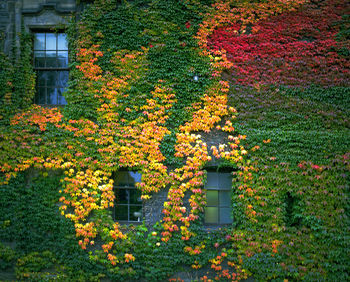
[[278, 121]]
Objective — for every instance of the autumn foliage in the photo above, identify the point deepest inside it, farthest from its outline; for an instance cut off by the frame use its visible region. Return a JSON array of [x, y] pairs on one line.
[[266, 43]]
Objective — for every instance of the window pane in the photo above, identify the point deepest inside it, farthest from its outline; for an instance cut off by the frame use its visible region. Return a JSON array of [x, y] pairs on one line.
[[61, 99], [62, 79], [121, 212], [51, 78], [50, 41], [46, 56], [51, 61], [211, 215], [39, 59], [40, 96], [225, 181], [41, 78], [225, 198], [62, 41], [121, 178], [212, 198], [39, 41], [225, 216], [62, 59], [212, 180], [134, 177], [135, 196], [52, 95], [122, 196], [135, 213]]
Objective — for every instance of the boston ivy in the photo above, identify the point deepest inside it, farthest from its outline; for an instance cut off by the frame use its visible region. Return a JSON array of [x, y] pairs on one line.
[[133, 103]]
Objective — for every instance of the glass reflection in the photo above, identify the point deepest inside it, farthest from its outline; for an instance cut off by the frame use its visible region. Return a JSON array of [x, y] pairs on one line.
[[47, 56], [39, 41], [62, 41], [63, 78], [61, 98], [225, 198], [51, 59], [51, 41], [51, 78], [52, 95], [212, 198], [211, 215], [225, 180], [135, 213], [39, 59], [225, 216], [135, 177], [212, 180], [62, 57]]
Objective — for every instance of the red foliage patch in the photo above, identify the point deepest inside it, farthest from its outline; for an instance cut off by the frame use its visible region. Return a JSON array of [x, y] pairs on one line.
[[295, 48]]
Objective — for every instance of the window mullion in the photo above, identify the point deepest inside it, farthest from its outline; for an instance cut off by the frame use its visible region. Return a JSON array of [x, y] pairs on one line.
[[51, 93]]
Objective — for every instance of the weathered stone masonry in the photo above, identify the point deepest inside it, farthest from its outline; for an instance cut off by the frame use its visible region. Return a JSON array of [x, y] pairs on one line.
[[34, 15]]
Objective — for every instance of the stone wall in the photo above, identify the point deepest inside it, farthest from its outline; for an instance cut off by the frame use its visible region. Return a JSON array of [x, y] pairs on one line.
[[7, 25], [152, 208], [60, 5], [33, 14]]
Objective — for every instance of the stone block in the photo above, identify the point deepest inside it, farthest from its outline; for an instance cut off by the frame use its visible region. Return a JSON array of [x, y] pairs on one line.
[[153, 208], [32, 4]]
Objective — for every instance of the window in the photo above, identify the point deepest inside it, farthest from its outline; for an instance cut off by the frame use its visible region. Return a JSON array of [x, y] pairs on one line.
[[128, 206], [218, 209], [51, 67]]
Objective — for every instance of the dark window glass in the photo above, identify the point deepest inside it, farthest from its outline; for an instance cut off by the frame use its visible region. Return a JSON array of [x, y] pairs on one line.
[[61, 99], [128, 205], [62, 78], [62, 59], [122, 196], [42, 78], [122, 179], [51, 66], [42, 95], [225, 198], [39, 59], [51, 60], [39, 41], [121, 213], [225, 180], [225, 215], [218, 192], [52, 95], [51, 78]]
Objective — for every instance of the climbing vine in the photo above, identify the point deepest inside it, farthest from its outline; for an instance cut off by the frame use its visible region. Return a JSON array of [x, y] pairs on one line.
[[264, 52], [133, 103]]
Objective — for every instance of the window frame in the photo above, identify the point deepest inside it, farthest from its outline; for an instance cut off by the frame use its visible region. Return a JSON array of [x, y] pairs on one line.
[[219, 206], [57, 69], [127, 187]]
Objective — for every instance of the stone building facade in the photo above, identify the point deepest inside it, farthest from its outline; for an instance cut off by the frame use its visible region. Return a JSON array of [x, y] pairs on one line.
[[31, 15]]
